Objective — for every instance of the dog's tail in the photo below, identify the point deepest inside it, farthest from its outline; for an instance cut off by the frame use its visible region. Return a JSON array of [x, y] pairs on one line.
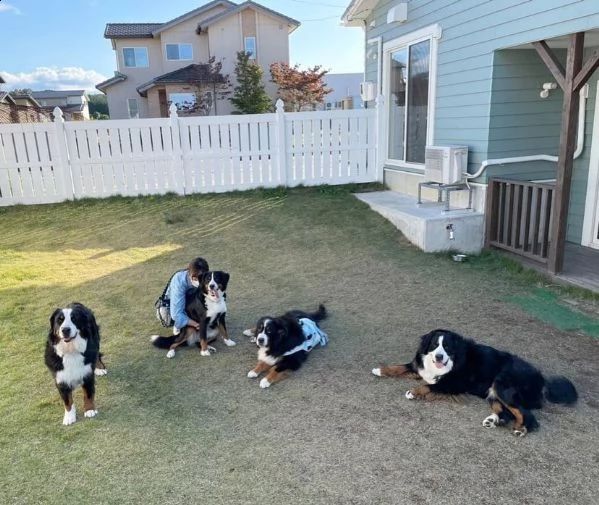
[[162, 342], [320, 314], [560, 390]]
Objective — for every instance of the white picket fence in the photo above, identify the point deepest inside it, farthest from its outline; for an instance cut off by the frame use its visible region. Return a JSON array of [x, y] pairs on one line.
[[53, 162]]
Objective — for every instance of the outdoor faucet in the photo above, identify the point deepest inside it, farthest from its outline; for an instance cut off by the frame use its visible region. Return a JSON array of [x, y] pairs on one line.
[[451, 231]]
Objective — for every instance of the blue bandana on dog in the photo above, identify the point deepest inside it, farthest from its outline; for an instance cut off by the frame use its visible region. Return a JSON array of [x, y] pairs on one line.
[[313, 336]]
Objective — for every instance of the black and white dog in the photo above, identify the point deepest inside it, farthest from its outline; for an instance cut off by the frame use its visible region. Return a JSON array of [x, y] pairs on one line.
[[206, 304], [450, 364], [284, 343], [73, 357]]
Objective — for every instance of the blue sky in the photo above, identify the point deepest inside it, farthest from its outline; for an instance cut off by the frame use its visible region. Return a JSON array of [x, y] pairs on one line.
[[60, 44]]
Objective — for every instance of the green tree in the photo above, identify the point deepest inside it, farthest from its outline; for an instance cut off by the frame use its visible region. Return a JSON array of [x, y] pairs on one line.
[[249, 96], [98, 106]]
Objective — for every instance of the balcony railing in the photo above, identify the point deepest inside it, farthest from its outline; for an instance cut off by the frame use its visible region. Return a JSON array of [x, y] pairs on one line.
[[519, 216]]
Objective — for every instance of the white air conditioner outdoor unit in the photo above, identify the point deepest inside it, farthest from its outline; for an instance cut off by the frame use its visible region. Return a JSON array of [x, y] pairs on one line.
[[445, 164], [367, 91]]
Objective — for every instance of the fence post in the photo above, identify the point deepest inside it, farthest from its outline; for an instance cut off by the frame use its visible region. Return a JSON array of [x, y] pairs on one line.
[[178, 172], [380, 137], [62, 162], [281, 141]]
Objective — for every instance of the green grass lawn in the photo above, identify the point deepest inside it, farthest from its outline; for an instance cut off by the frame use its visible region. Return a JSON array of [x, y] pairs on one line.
[[197, 430]]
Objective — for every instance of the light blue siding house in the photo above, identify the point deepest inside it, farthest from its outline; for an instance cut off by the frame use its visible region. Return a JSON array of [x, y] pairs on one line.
[[494, 76]]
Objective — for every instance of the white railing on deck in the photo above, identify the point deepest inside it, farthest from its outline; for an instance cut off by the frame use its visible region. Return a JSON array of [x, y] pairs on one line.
[[52, 162]]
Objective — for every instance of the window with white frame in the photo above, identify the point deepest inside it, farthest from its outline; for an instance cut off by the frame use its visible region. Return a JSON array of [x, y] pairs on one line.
[[136, 57], [179, 52], [249, 46], [133, 108], [409, 80]]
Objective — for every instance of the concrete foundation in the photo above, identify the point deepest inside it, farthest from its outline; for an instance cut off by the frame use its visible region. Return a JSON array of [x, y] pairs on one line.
[[427, 225]]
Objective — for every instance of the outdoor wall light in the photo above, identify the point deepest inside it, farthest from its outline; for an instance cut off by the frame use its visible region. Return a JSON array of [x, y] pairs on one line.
[[547, 87]]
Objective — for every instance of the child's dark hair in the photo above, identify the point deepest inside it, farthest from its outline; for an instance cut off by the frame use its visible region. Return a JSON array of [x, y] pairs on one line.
[[197, 267]]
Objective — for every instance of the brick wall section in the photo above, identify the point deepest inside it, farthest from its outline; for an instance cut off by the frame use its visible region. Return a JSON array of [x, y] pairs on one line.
[[10, 113]]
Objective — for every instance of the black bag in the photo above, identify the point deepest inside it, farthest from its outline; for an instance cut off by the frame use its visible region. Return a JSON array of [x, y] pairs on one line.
[[163, 306]]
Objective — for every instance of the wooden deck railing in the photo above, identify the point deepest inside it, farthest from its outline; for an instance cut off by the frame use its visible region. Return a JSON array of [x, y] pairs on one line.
[[518, 217]]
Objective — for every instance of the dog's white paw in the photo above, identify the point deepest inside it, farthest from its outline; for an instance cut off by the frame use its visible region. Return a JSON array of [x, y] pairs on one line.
[[170, 353], [252, 374], [376, 371], [253, 340], [91, 413], [264, 383], [229, 342], [410, 395], [520, 432], [248, 333], [100, 371], [209, 350], [491, 421], [70, 416]]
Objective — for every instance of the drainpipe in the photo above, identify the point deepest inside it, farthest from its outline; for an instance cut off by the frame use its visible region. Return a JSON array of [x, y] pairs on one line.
[[584, 93], [379, 62]]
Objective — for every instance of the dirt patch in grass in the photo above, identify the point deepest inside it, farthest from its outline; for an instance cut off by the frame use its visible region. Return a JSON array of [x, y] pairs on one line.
[[197, 430]]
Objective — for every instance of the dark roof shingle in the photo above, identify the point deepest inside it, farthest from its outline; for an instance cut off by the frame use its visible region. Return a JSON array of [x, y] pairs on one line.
[[189, 74], [130, 30]]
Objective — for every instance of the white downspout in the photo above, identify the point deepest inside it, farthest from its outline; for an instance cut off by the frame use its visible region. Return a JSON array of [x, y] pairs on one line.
[[379, 63], [584, 93]]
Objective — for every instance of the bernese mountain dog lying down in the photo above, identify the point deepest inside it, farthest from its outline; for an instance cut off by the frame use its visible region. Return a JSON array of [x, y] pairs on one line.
[[284, 343], [450, 364], [73, 357], [206, 304]]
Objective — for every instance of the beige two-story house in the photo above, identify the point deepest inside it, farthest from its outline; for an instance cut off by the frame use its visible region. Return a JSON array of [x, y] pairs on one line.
[[163, 63]]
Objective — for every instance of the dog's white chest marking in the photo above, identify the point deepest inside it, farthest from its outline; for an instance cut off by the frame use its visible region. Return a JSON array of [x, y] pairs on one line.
[[215, 307], [74, 370], [428, 376], [266, 358]]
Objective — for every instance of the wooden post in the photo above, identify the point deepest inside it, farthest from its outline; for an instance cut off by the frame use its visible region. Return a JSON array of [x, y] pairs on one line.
[[565, 161]]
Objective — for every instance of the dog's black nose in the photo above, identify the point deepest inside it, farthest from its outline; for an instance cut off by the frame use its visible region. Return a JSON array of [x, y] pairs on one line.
[[439, 357], [260, 341], [66, 332]]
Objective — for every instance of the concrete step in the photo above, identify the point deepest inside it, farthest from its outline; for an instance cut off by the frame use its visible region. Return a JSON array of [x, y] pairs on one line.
[[428, 225]]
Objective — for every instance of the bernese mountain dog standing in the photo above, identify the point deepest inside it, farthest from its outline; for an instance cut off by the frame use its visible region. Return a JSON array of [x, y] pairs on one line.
[[206, 304], [73, 357], [284, 343], [450, 364]]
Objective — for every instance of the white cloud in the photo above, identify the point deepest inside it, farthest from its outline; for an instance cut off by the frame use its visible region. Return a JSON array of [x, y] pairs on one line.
[[9, 8], [43, 78]]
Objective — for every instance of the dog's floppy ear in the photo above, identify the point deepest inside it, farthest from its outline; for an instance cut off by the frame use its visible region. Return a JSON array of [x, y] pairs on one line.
[[54, 316], [226, 278], [51, 334], [283, 330], [426, 340]]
